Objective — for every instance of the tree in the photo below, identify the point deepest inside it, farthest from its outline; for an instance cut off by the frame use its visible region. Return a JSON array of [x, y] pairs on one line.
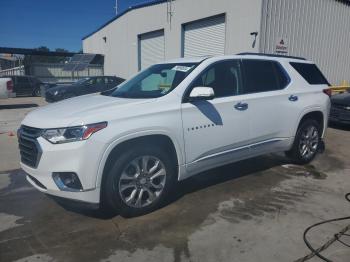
[[46, 59]]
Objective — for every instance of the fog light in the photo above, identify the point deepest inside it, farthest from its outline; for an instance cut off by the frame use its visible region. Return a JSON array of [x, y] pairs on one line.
[[67, 181]]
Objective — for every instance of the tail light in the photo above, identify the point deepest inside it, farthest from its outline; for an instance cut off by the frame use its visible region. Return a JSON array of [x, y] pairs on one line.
[[9, 86], [328, 92]]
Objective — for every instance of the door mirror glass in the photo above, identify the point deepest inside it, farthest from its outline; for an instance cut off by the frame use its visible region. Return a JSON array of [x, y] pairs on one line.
[[202, 93]]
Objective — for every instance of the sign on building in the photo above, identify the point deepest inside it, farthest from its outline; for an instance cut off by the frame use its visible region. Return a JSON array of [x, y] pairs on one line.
[[281, 46]]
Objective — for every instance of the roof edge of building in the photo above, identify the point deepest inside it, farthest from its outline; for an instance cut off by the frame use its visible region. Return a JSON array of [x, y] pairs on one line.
[[155, 2]]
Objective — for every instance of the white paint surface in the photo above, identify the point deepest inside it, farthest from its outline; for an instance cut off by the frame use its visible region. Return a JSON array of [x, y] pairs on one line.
[[159, 253], [8, 221], [36, 258]]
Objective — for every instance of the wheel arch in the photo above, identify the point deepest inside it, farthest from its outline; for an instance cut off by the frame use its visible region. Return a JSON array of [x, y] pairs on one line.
[[158, 138], [315, 114]]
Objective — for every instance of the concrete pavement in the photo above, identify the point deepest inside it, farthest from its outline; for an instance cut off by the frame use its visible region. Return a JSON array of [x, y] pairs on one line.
[[254, 210]]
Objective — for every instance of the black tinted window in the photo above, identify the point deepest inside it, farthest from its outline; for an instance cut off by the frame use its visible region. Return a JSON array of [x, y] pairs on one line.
[[23, 80], [310, 73], [224, 77], [91, 81], [112, 80], [263, 76], [100, 80]]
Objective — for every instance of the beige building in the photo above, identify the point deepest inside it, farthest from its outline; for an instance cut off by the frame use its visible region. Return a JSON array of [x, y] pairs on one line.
[[162, 30]]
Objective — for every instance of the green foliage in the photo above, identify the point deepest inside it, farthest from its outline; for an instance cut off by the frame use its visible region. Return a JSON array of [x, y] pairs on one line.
[[46, 59]]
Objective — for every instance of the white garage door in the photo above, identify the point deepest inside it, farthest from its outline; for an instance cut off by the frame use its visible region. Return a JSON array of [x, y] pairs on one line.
[[204, 37], [151, 49]]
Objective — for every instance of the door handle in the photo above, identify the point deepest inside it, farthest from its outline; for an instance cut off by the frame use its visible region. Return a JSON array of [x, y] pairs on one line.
[[241, 106], [293, 98]]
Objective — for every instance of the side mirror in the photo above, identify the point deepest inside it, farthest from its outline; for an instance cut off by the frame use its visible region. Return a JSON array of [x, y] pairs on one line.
[[201, 93]]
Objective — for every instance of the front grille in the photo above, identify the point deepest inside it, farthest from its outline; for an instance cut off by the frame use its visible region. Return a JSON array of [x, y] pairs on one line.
[[340, 113], [29, 147], [341, 107]]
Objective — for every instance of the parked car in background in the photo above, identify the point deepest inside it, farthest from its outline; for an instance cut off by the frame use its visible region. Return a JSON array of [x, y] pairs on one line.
[[127, 148], [49, 85], [6, 88], [82, 87], [340, 108], [26, 85]]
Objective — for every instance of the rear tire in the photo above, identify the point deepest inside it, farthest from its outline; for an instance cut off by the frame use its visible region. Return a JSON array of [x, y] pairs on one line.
[[307, 142], [129, 187]]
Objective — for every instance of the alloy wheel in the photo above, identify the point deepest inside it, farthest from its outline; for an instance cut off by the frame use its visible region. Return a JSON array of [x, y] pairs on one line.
[[142, 181], [309, 141]]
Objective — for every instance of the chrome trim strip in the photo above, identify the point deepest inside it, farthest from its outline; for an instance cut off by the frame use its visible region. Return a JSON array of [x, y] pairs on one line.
[[240, 148]]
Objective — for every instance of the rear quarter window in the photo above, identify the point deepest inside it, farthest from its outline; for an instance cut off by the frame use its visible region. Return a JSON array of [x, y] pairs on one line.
[[310, 73]]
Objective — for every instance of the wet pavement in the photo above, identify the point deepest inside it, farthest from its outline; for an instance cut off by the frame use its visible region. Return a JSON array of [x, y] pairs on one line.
[[254, 210]]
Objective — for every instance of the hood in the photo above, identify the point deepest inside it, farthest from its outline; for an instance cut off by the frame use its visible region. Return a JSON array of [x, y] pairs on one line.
[[82, 110], [343, 99], [58, 88]]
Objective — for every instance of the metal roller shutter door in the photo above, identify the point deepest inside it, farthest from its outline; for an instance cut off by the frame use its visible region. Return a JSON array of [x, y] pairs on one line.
[[204, 37], [315, 29], [151, 49]]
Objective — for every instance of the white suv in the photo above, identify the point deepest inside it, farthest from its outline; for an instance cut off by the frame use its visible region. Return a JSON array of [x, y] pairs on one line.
[[127, 147]]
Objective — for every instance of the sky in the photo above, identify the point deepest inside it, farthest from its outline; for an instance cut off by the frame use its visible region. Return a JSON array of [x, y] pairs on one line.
[[55, 24]]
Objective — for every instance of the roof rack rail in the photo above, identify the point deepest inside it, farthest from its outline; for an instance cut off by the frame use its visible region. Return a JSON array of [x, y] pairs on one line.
[[273, 55]]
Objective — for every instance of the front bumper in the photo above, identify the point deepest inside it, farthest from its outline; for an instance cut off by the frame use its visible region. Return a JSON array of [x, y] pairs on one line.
[[50, 98], [90, 196], [81, 157]]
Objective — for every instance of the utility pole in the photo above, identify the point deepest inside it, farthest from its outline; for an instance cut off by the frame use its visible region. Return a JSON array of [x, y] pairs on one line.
[[116, 7], [170, 11]]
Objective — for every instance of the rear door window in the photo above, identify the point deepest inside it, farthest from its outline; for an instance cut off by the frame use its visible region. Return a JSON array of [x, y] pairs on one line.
[[91, 81], [109, 80], [310, 73], [100, 81], [263, 76]]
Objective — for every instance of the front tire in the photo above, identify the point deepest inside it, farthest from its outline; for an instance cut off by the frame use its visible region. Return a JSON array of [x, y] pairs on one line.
[[139, 181], [37, 92], [307, 142]]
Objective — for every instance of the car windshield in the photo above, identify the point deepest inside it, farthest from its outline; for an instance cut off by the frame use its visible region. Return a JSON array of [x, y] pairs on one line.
[[156, 81]]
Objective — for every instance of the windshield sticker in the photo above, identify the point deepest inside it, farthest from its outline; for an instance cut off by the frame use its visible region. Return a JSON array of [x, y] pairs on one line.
[[184, 69]]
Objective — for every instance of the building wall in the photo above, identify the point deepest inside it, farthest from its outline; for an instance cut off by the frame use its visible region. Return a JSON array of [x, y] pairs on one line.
[[315, 29], [121, 47]]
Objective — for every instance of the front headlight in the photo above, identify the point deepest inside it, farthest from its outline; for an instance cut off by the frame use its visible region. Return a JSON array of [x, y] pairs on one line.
[[71, 134]]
